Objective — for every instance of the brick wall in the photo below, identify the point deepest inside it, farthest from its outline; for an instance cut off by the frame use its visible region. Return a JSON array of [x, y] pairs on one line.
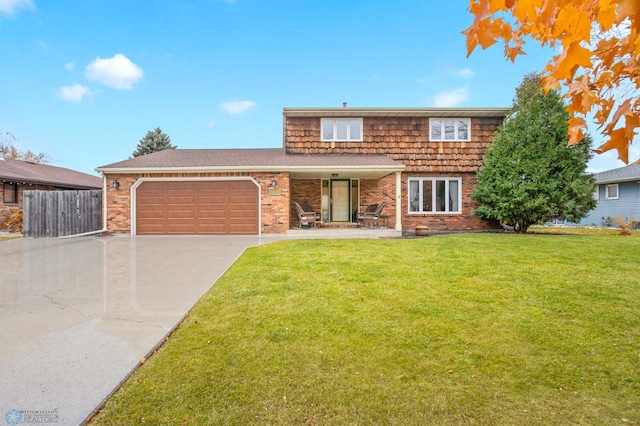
[[464, 221], [5, 208], [275, 205]]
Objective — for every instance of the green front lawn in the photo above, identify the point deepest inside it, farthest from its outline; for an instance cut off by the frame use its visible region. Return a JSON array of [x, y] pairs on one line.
[[483, 329]]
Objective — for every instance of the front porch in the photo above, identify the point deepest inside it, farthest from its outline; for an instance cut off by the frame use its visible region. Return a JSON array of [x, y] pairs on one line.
[[338, 201]]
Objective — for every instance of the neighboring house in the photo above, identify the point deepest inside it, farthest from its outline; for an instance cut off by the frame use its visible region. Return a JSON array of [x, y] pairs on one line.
[[18, 176], [421, 161], [618, 196]]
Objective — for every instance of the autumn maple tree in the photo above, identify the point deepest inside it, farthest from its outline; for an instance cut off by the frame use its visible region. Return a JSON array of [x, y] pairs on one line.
[[597, 64]]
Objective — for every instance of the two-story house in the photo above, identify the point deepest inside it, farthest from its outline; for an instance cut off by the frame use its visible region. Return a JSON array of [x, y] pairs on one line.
[[422, 162]]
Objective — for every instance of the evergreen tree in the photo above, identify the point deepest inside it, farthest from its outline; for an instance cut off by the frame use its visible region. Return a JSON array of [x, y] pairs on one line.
[[530, 174], [154, 141]]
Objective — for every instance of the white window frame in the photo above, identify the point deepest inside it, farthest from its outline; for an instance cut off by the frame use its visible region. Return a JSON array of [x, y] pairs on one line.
[[433, 195], [608, 194], [335, 121], [456, 136]]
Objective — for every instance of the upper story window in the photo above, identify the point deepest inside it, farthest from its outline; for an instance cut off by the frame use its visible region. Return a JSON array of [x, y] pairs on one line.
[[449, 129], [611, 192], [342, 129], [10, 193]]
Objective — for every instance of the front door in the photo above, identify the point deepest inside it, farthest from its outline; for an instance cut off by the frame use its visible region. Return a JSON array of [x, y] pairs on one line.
[[340, 201]]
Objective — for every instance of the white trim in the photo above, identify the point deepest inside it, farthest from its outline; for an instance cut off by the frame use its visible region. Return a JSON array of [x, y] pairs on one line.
[[140, 181], [433, 179], [398, 201], [395, 112], [606, 191], [276, 168], [335, 129], [442, 129]]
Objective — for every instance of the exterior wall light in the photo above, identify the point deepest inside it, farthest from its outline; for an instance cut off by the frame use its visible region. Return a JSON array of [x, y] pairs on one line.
[[115, 184], [273, 183]]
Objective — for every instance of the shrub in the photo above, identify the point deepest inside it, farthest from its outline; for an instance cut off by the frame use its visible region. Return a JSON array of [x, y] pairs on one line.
[[624, 224], [14, 221]]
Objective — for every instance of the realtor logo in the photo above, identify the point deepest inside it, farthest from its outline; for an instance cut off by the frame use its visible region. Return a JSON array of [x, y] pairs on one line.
[[13, 417]]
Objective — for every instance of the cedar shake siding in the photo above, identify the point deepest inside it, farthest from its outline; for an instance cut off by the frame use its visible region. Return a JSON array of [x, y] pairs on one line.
[[403, 139]]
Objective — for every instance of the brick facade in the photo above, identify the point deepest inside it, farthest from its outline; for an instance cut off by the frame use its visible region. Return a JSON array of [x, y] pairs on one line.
[[6, 208], [274, 199]]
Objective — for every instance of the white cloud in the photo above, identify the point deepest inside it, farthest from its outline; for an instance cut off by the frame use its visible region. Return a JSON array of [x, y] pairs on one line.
[[11, 7], [451, 98], [211, 123], [70, 66], [73, 93], [237, 107], [466, 73], [117, 72]]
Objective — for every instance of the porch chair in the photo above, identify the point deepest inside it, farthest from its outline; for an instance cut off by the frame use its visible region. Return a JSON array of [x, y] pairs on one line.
[[371, 208], [306, 217], [374, 215]]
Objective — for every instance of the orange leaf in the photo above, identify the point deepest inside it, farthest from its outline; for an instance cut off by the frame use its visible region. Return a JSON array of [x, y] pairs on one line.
[[576, 124], [572, 57], [606, 14], [549, 82], [630, 9], [618, 141], [624, 109]]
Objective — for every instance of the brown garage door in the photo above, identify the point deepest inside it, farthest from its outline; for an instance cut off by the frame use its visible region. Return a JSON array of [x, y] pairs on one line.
[[197, 207]]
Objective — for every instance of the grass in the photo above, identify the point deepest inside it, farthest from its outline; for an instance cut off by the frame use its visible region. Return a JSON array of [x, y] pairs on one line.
[[461, 329]]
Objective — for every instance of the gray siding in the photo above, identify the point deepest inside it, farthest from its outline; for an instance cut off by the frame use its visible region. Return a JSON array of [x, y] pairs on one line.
[[627, 204]]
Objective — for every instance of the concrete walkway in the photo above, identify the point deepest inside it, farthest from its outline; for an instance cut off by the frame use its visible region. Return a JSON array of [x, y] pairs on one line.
[[77, 315]]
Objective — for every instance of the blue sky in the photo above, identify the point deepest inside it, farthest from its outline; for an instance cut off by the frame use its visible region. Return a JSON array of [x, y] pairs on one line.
[[84, 80]]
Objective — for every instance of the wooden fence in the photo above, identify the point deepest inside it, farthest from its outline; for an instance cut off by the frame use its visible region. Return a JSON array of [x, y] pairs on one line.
[[61, 213]]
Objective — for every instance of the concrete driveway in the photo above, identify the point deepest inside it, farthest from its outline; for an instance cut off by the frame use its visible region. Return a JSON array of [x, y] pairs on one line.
[[77, 315]]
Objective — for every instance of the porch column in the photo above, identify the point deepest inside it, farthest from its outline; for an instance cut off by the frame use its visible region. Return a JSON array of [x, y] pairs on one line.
[[398, 201]]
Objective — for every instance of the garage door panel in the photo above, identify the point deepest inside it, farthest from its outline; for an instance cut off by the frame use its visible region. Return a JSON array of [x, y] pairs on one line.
[[243, 214], [197, 207], [154, 214], [210, 214], [181, 215]]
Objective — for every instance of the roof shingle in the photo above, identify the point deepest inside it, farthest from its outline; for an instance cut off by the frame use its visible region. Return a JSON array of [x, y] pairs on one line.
[[43, 174], [269, 158], [622, 174]]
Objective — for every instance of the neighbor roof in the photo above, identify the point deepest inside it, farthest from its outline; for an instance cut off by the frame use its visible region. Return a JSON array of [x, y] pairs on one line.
[[257, 160], [17, 171], [623, 174]]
